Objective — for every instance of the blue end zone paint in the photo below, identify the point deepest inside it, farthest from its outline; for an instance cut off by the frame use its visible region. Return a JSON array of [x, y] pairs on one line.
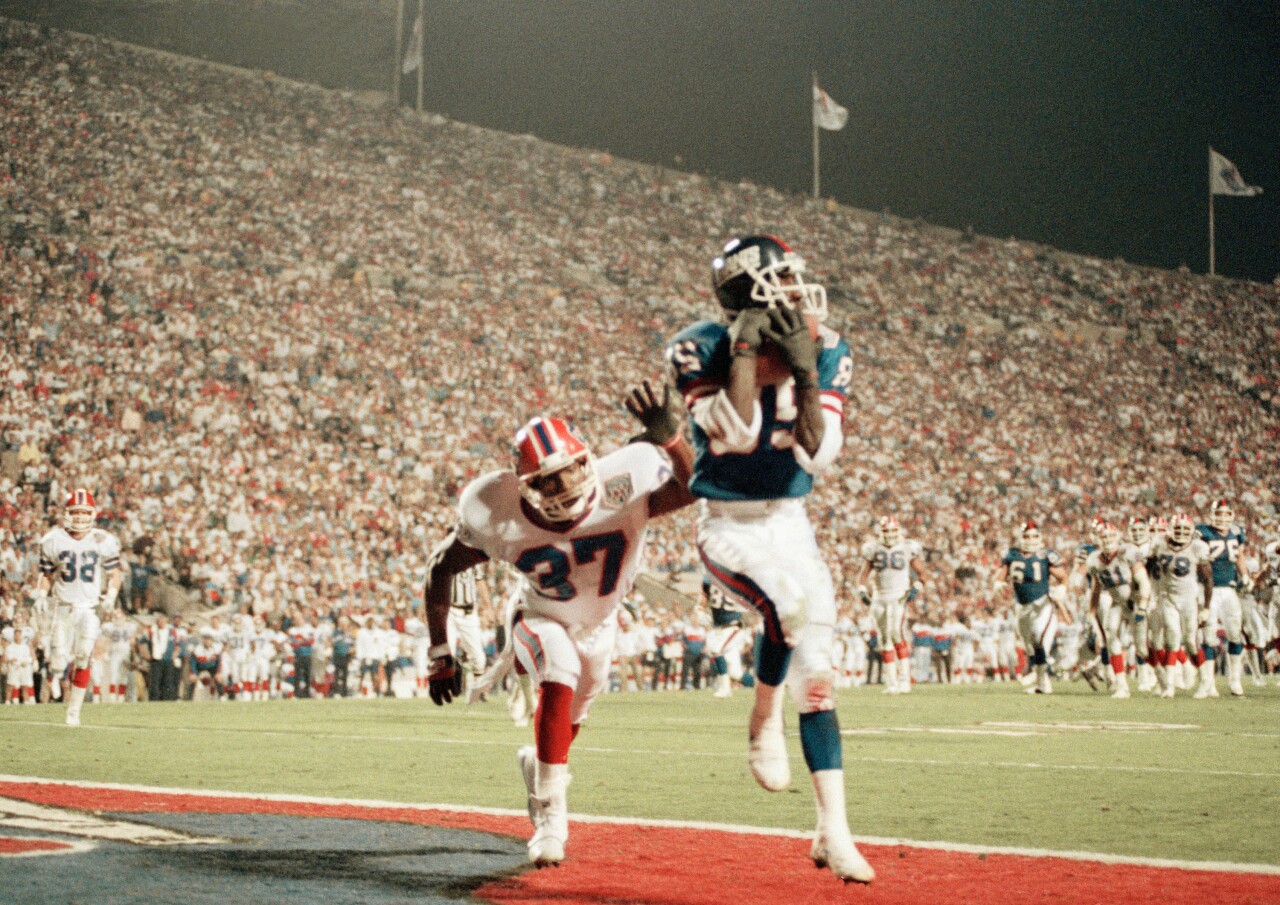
[[277, 859]]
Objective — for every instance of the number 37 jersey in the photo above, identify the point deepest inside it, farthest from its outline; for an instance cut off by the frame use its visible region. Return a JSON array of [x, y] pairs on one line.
[[578, 575], [78, 566]]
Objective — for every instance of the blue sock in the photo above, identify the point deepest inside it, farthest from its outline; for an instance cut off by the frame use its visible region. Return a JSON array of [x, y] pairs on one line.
[[820, 739], [772, 662], [719, 666], [1234, 647]]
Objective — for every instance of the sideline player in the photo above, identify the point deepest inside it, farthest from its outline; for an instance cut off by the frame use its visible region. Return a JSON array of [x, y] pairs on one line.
[[575, 527], [765, 393], [1028, 568], [1226, 541], [726, 640], [74, 559], [894, 559]]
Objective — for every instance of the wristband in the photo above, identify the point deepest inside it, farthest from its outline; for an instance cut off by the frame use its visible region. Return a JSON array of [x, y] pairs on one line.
[[438, 650], [673, 442], [744, 350]]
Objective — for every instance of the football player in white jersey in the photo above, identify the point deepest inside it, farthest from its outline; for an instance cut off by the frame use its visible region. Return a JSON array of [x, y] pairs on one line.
[[1120, 590], [1184, 591], [470, 598], [1138, 534], [75, 558], [893, 559], [237, 654], [119, 633], [18, 660], [575, 527], [1254, 622]]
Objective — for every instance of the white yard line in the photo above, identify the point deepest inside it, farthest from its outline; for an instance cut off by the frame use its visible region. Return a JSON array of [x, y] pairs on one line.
[[1096, 857], [505, 743]]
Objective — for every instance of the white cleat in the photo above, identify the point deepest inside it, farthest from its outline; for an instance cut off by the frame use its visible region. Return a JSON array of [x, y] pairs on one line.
[[1206, 690], [842, 858], [1121, 692], [767, 757], [1237, 690], [1167, 693], [73, 717], [527, 757], [550, 824], [891, 688]]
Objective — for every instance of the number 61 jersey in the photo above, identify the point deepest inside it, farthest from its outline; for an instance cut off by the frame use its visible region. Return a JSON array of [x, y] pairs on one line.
[[576, 575]]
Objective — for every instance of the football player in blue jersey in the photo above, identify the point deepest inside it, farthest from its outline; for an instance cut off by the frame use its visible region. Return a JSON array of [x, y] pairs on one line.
[[1226, 542], [1028, 568], [765, 388]]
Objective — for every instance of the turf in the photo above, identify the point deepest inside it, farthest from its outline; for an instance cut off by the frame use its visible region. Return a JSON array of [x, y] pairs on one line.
[[1180, 779]]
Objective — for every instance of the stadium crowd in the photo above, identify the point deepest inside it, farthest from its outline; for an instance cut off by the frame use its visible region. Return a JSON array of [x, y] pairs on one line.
[[276, 330]]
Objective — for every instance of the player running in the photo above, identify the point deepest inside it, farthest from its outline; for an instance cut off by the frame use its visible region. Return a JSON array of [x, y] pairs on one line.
[[575, 527], [1028, 568], [76, 559]]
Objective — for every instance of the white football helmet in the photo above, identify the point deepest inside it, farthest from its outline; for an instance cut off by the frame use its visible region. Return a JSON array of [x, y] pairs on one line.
[[80, 513], [1109, 539], [1029, 540], [1181, 530], [1222, 516], [889, 531]]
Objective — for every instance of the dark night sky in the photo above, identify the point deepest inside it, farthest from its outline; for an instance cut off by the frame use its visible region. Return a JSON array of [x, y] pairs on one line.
[[1077, 123], [1081, 124]]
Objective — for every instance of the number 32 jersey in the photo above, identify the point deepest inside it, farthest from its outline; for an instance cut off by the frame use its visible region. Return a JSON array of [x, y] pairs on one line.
[[578, 575], [700, 357], [77, 567]]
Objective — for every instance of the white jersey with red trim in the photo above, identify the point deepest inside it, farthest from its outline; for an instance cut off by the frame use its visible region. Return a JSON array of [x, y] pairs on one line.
[[579, 574], [78, 565], [891, 566], [1178, 578]]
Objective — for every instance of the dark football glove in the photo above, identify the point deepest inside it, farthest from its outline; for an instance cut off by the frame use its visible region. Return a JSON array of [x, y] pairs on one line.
[[747, 331], [444, 679], [787, 327], [661, 413]]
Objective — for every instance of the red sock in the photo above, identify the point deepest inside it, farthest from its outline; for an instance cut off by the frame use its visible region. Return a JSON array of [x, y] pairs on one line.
[[552, 729], [1117, 664], [1198, 660], [80, 678]]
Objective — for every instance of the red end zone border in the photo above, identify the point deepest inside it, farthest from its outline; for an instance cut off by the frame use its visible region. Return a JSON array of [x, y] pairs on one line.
[[669, 863]]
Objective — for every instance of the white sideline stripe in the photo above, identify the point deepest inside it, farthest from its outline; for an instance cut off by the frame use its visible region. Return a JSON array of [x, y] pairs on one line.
[[1272, 870], [502, 743]]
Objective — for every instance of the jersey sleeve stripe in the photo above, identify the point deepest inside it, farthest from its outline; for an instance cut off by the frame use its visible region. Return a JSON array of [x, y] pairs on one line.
[[111, 563]]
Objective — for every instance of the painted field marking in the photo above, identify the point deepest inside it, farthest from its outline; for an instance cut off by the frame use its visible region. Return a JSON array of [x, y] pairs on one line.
[[1112, 725], [964, 847], [658, 752]]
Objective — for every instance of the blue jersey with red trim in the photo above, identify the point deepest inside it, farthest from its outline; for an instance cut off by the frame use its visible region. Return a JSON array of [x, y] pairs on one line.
[[1222, 550], [700, 357]]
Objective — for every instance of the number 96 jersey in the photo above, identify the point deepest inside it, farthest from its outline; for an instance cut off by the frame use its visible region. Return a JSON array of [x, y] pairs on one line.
[[78, 566], [892, 566], [579, 574]]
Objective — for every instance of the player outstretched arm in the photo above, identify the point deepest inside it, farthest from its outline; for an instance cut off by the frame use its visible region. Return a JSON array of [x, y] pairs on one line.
[[115, 578], [451, 557], [663, 420]]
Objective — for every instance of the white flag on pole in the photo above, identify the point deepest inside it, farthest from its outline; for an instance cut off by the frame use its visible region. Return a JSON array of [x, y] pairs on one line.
[[1225, 179], [413, 56], [827, 114]]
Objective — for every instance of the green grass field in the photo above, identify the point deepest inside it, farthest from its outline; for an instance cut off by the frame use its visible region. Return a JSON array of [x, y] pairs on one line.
[[1184, 779]]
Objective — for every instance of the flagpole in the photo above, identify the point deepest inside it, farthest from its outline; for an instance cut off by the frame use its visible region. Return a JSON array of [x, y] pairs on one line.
[[395, 56], [812, 94], [422, 47], [1211, 261]]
